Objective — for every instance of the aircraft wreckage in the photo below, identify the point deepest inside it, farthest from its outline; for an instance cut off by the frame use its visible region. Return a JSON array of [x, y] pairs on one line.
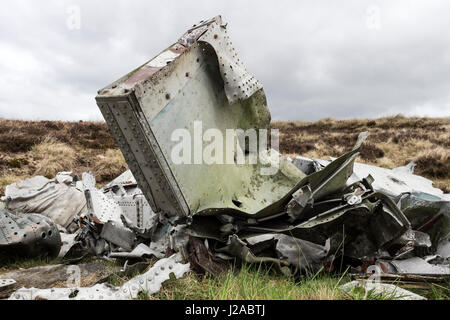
[[298, 215]]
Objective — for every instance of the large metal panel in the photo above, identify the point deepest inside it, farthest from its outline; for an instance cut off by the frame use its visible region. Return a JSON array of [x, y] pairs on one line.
[[199, 80]]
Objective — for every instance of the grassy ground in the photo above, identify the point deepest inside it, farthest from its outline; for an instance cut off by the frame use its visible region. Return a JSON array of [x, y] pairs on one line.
[[28, 148], [245, 282]]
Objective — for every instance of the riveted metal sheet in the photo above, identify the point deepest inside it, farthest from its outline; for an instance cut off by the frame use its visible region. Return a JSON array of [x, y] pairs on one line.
[[143, 155], [238, 83], [203, 80], [28, 235]]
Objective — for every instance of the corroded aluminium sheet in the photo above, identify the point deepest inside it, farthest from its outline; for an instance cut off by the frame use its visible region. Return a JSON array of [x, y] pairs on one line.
[[199, 78]]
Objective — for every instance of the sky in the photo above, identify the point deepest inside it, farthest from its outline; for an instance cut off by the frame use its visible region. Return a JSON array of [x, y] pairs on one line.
[[315, 59]]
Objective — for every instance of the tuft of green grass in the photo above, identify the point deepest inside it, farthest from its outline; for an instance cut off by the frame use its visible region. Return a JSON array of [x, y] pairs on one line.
[[247, 282], [439, 292], [250, 282]]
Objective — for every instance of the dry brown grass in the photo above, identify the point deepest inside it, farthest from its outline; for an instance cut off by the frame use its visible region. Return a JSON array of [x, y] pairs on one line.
[[7, 178], [28, 148], [21, 136], [250, 283], [45, 147], [109, 165], [51, 157]]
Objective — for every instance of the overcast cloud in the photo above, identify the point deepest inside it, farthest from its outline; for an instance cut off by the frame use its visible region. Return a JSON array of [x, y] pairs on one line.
[[316, 59]]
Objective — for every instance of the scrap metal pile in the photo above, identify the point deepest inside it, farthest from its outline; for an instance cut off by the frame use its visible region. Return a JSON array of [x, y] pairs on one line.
[[303, 217]]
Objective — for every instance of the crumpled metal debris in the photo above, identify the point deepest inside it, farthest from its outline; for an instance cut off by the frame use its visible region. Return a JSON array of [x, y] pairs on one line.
[[306, 256], [443, 249], [118, 235], [149, 282], [136, 211], [141, 251], [238, 248], [123, 239], [349, 206], [416, 265], [428, 213], [101, 221], [101, 208], [392, 182], [61, 199], [120, 199], [68, 240], [280, 250], [118, 216], [372, 222], [426, 208], [203, 260]]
